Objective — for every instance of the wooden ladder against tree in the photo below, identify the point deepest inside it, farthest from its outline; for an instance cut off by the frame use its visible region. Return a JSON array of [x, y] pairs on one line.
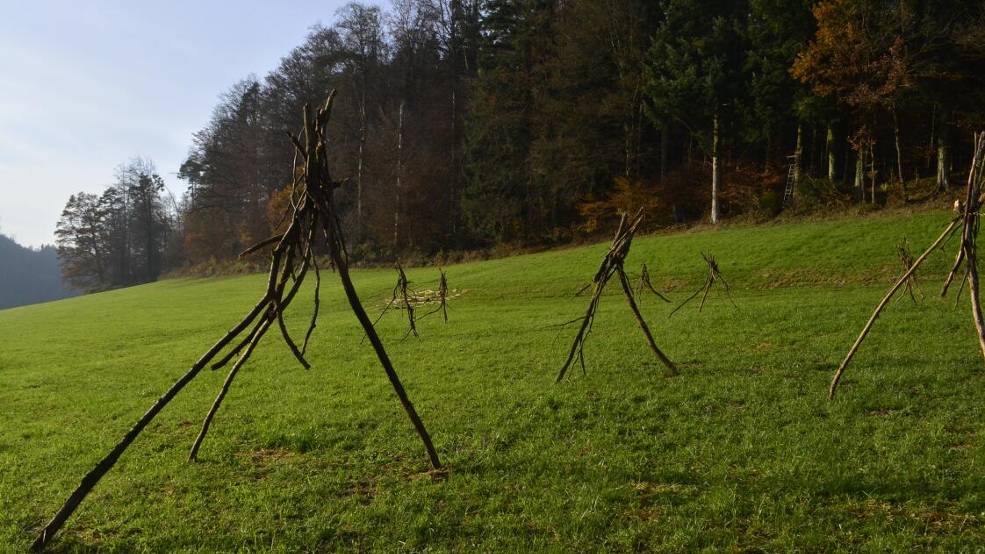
[[793, 171]]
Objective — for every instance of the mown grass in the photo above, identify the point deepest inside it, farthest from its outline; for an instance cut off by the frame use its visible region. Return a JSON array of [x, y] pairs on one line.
[[740, 452]]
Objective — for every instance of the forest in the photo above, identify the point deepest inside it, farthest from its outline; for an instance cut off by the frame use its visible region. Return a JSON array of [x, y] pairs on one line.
[[28, 275], [466, 124]]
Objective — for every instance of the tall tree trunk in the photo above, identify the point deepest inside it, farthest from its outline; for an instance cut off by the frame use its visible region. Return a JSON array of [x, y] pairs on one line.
[[860, 173], [942, 162], [872, 169], [360, 165], [933, 133], [149, 240], [715, 169], [899, 154], [798, 155], [829, 146], [400, 170], [455, 19], [453, 182]]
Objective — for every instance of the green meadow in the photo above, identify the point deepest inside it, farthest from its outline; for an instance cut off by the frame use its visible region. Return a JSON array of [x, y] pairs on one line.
[[741, 452]]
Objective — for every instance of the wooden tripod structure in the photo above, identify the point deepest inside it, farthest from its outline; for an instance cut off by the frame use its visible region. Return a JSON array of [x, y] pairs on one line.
[[400, 299], [714, 275], [968, 220], [312, 215], [906, 260], [645, 284], [612, 264]]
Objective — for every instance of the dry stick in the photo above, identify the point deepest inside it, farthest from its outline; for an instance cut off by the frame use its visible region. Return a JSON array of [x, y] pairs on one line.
[[401, 284], [374, 339], [442, 298], [906, 259], [601, 278], [407, 304], [261, 244], [314, 190], [970, 245], [954, 269], [976, 307], [314, 313], [339, 257], [964, 279], [728, 289], [704, 296], [686, 300], [628, 291], [868, 326], [714, 274], [646, 282], [280, 304], [277, 304], [970, 218], [95, 474], [577, 347], [612, 263], [236, 349], [969, 241], [254, 340], [443, 294]]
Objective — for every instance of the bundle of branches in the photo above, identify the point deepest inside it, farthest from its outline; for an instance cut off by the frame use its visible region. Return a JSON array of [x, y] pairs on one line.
[[906, 259], [646, 284], [406, 298], [967, 218], [312, 216], [401, 299], [612, 264], [442, 296], [714, 275]]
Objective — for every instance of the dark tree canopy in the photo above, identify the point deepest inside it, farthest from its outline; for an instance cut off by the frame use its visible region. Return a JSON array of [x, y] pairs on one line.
[[462, 124]]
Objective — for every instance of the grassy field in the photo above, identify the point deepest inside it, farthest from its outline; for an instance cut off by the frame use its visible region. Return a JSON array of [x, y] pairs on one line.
[[741, 452]]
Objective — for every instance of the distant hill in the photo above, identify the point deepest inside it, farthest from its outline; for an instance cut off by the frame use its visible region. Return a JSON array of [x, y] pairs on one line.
[[28, 276]]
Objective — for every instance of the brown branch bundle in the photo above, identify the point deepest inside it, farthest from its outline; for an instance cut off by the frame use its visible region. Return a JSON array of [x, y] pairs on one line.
[[612, 264], [906, 260], [714, 275], [967, 257], [646, 284], [442, 296], [312, 215], [401, 300]]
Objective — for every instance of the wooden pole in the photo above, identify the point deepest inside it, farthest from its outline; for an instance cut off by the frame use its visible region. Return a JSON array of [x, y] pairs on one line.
[[875, 315], [628, 292]]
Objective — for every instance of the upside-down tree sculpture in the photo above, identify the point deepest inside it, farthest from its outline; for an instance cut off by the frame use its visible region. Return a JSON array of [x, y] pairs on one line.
[[968, 219], [714, 275], [646, 284], [906, 260], [442, 296], [401, 299], [612, 264], [311, 217]]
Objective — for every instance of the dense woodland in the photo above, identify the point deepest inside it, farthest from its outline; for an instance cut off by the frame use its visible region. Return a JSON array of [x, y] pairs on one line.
[[28, 275], [462, 124]]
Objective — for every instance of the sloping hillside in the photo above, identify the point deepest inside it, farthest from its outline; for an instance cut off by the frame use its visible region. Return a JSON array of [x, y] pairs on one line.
[[28, 276], [742, 451]]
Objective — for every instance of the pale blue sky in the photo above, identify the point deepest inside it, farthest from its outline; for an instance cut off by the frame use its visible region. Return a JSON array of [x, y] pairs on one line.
[[85, 86]]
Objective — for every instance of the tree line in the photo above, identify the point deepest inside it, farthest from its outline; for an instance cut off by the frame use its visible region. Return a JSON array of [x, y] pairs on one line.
[[466, 123], [124, 236]]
